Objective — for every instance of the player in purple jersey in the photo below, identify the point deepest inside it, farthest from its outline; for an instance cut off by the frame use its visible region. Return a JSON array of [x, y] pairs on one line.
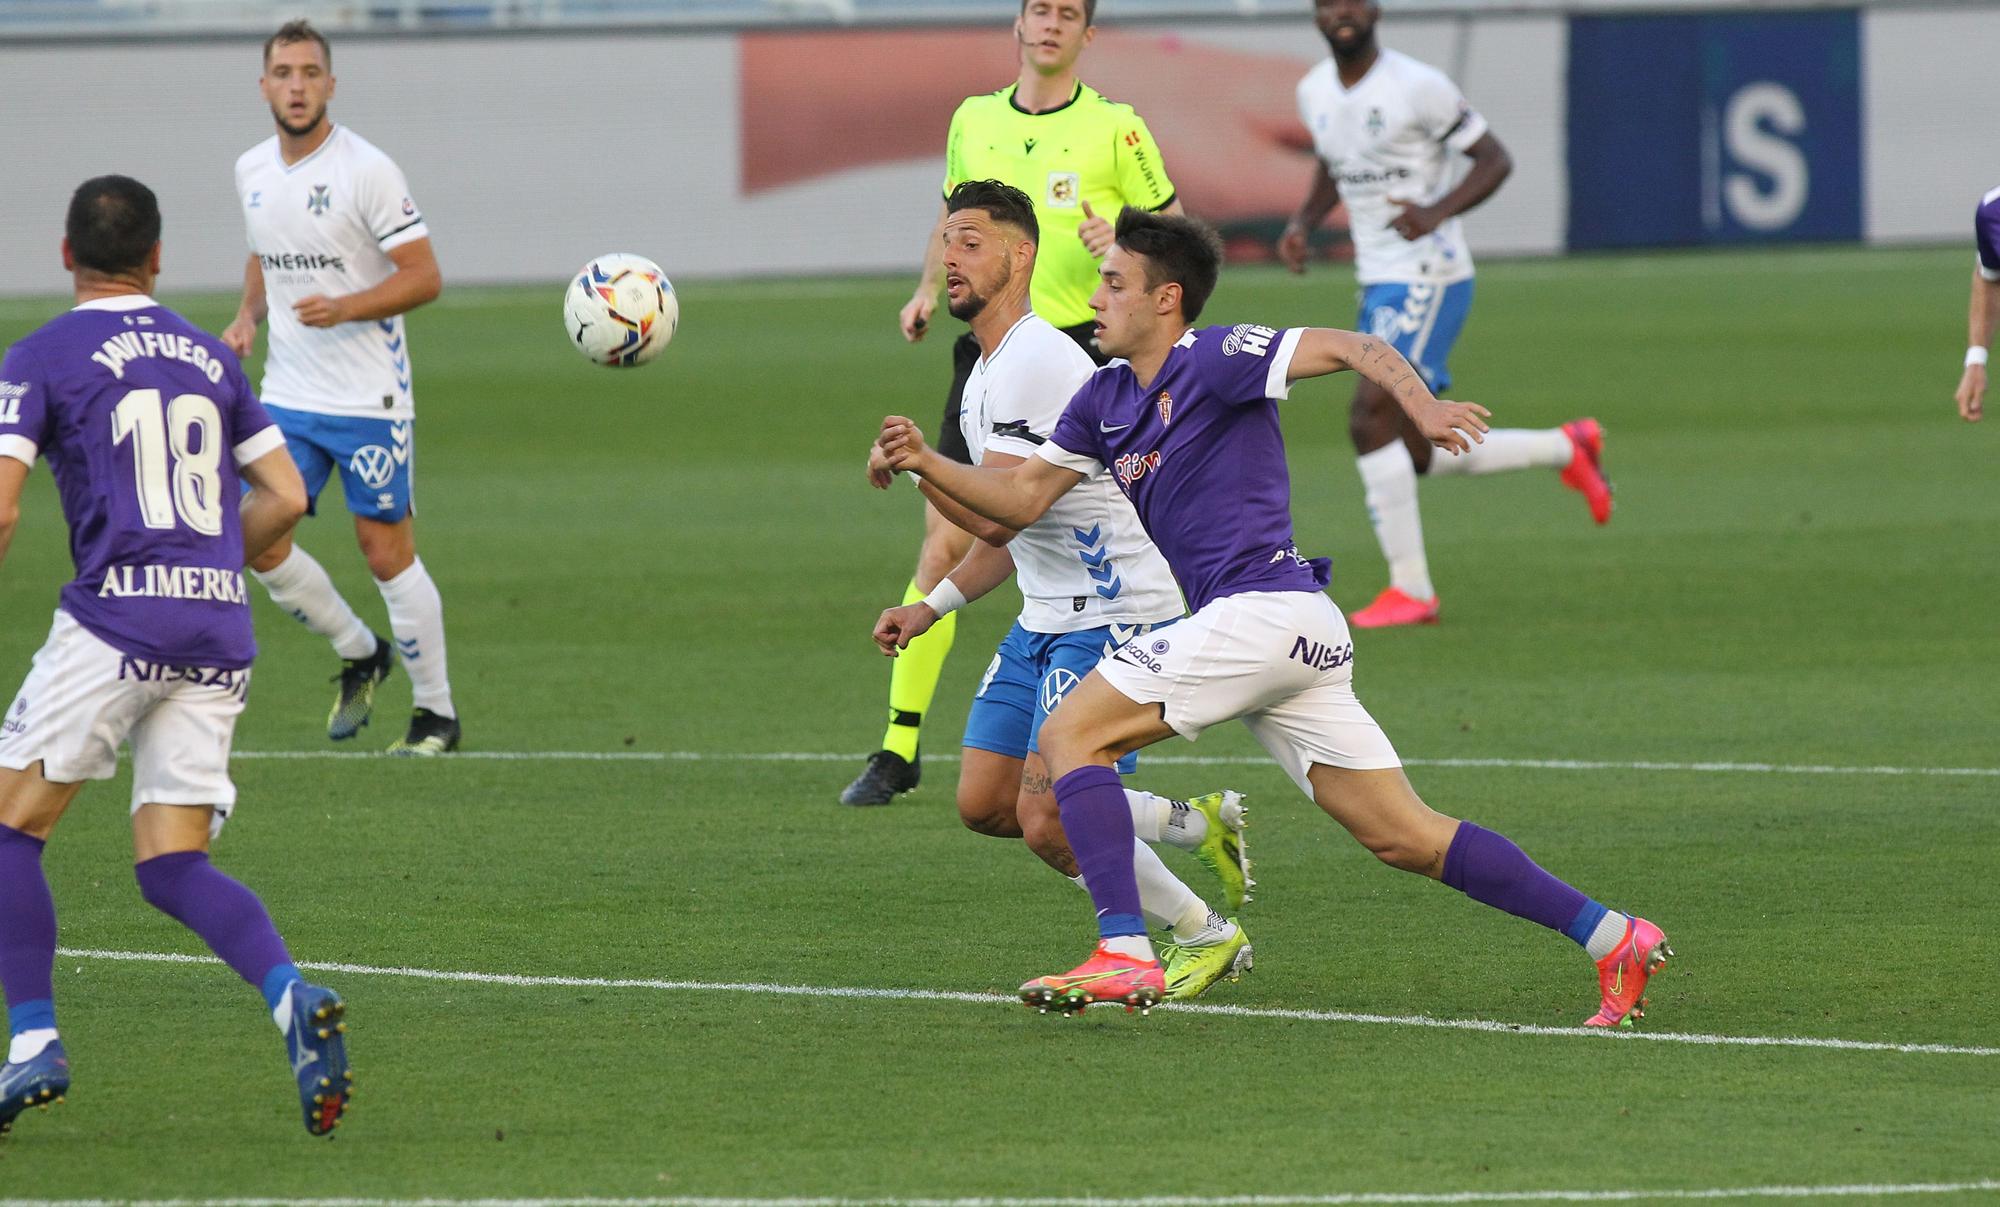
[[1984, 311], [1187, 422], [153, 434]]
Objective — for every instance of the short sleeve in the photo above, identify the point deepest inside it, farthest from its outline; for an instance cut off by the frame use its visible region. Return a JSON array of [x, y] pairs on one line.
[[1986, 233], [387, 208], [1246, 363], [1142, 174], [251, 427], [954, 157], [1034, 402], [1075, 444], [24, 406], [1444, 114]]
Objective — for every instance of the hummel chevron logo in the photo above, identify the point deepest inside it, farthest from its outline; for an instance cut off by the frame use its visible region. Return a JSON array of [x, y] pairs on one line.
[[1096, 558]]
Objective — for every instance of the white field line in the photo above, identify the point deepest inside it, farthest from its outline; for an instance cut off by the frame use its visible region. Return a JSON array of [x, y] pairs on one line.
[[1850, 1190], [987, 999], [1166, 760]]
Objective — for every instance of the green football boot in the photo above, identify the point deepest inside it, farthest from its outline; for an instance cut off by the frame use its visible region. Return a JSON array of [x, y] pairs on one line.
[[1222, 849], [1193, 967]]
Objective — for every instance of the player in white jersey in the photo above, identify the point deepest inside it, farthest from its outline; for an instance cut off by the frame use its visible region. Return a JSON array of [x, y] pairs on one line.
[[1390, 133], [1090, 580], [338, 254]]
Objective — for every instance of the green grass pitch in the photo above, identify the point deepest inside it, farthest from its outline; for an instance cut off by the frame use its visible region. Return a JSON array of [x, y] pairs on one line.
[[685, 558]]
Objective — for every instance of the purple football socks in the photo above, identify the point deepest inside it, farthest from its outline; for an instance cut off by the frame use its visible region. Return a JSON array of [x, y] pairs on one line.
[[1098, 822], [229, 918], [27, 933], [1493, 871]]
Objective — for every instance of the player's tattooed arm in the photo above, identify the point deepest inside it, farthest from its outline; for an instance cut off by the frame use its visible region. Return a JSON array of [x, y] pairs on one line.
[[1453, 426]]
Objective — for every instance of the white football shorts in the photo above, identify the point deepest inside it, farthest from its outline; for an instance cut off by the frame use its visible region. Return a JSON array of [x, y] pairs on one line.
[[1282, 661], [83, 699]]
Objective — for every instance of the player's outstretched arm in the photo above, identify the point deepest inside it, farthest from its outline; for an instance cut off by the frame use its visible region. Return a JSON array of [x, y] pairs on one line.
[[12, 474], [273, 504], [240, 336], [1016, 496], [415, 281], [1454, 426], [983, 568]]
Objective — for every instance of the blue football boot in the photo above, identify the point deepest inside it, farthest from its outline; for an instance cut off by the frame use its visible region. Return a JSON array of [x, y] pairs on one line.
[[40, 1080], [316, 1044]]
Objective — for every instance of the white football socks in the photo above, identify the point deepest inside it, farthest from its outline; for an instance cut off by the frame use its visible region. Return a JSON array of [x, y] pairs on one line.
[[1609, 934], [1389, 482], [1506, 449], [1167, 903], [29, 1044], [1157, 819], [416, 617], [301, 586]]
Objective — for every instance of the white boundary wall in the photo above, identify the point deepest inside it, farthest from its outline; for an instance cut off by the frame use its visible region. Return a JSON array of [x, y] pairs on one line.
[[531, 152]]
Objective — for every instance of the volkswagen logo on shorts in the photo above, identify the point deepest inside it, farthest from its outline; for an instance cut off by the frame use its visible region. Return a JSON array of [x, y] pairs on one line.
[[1055, 686], [374, 464]]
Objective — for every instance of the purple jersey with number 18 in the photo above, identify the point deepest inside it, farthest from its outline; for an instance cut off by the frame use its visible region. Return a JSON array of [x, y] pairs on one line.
[[144, 419], [1199, 452]]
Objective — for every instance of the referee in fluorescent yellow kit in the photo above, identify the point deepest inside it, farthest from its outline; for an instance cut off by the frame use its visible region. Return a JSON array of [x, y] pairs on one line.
[[1081, 158]]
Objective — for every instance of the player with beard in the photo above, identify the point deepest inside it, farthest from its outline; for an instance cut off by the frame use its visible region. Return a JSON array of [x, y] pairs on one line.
[[1187, 422], [1074, 153], [338, 254], [1390, 133], [1074, 609]]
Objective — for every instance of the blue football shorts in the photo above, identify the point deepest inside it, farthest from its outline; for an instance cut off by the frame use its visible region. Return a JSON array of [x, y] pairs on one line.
[[1030, 674], [375, 458], [1421, 319]]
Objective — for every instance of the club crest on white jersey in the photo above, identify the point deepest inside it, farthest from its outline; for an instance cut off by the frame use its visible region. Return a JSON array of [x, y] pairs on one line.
[[325, 226]]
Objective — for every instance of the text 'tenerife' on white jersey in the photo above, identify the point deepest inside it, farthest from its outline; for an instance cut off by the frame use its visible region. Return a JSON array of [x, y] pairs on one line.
[[1087, 562], [1389, 140], [325, 225]]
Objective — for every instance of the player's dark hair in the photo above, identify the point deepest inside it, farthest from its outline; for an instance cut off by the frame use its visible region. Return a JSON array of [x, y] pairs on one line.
[[1089, 11], [300, 30], [113, 223], [1178, 249], [1002, 202]]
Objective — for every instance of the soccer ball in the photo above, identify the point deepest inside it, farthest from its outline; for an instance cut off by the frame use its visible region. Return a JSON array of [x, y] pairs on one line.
[[620, 310]]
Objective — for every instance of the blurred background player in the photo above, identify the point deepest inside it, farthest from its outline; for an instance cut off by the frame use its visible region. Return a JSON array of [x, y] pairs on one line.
[[1072, 152], [1090, 580], [147, 423], [1387, 130], [1983, 313], [338, 253], [1207, 476]]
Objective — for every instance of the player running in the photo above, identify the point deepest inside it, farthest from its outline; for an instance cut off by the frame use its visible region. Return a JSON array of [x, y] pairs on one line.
[[1073, 152], [147, 423], [1388, 131], [1188, 424], [1983, 312], [1090, 579], [338, 254]]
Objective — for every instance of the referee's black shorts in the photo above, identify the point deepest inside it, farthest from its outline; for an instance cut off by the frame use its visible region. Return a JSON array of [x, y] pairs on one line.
[[964, 355]]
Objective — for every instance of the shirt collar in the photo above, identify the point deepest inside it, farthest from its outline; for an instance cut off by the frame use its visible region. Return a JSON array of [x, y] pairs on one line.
[[119, 303]]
